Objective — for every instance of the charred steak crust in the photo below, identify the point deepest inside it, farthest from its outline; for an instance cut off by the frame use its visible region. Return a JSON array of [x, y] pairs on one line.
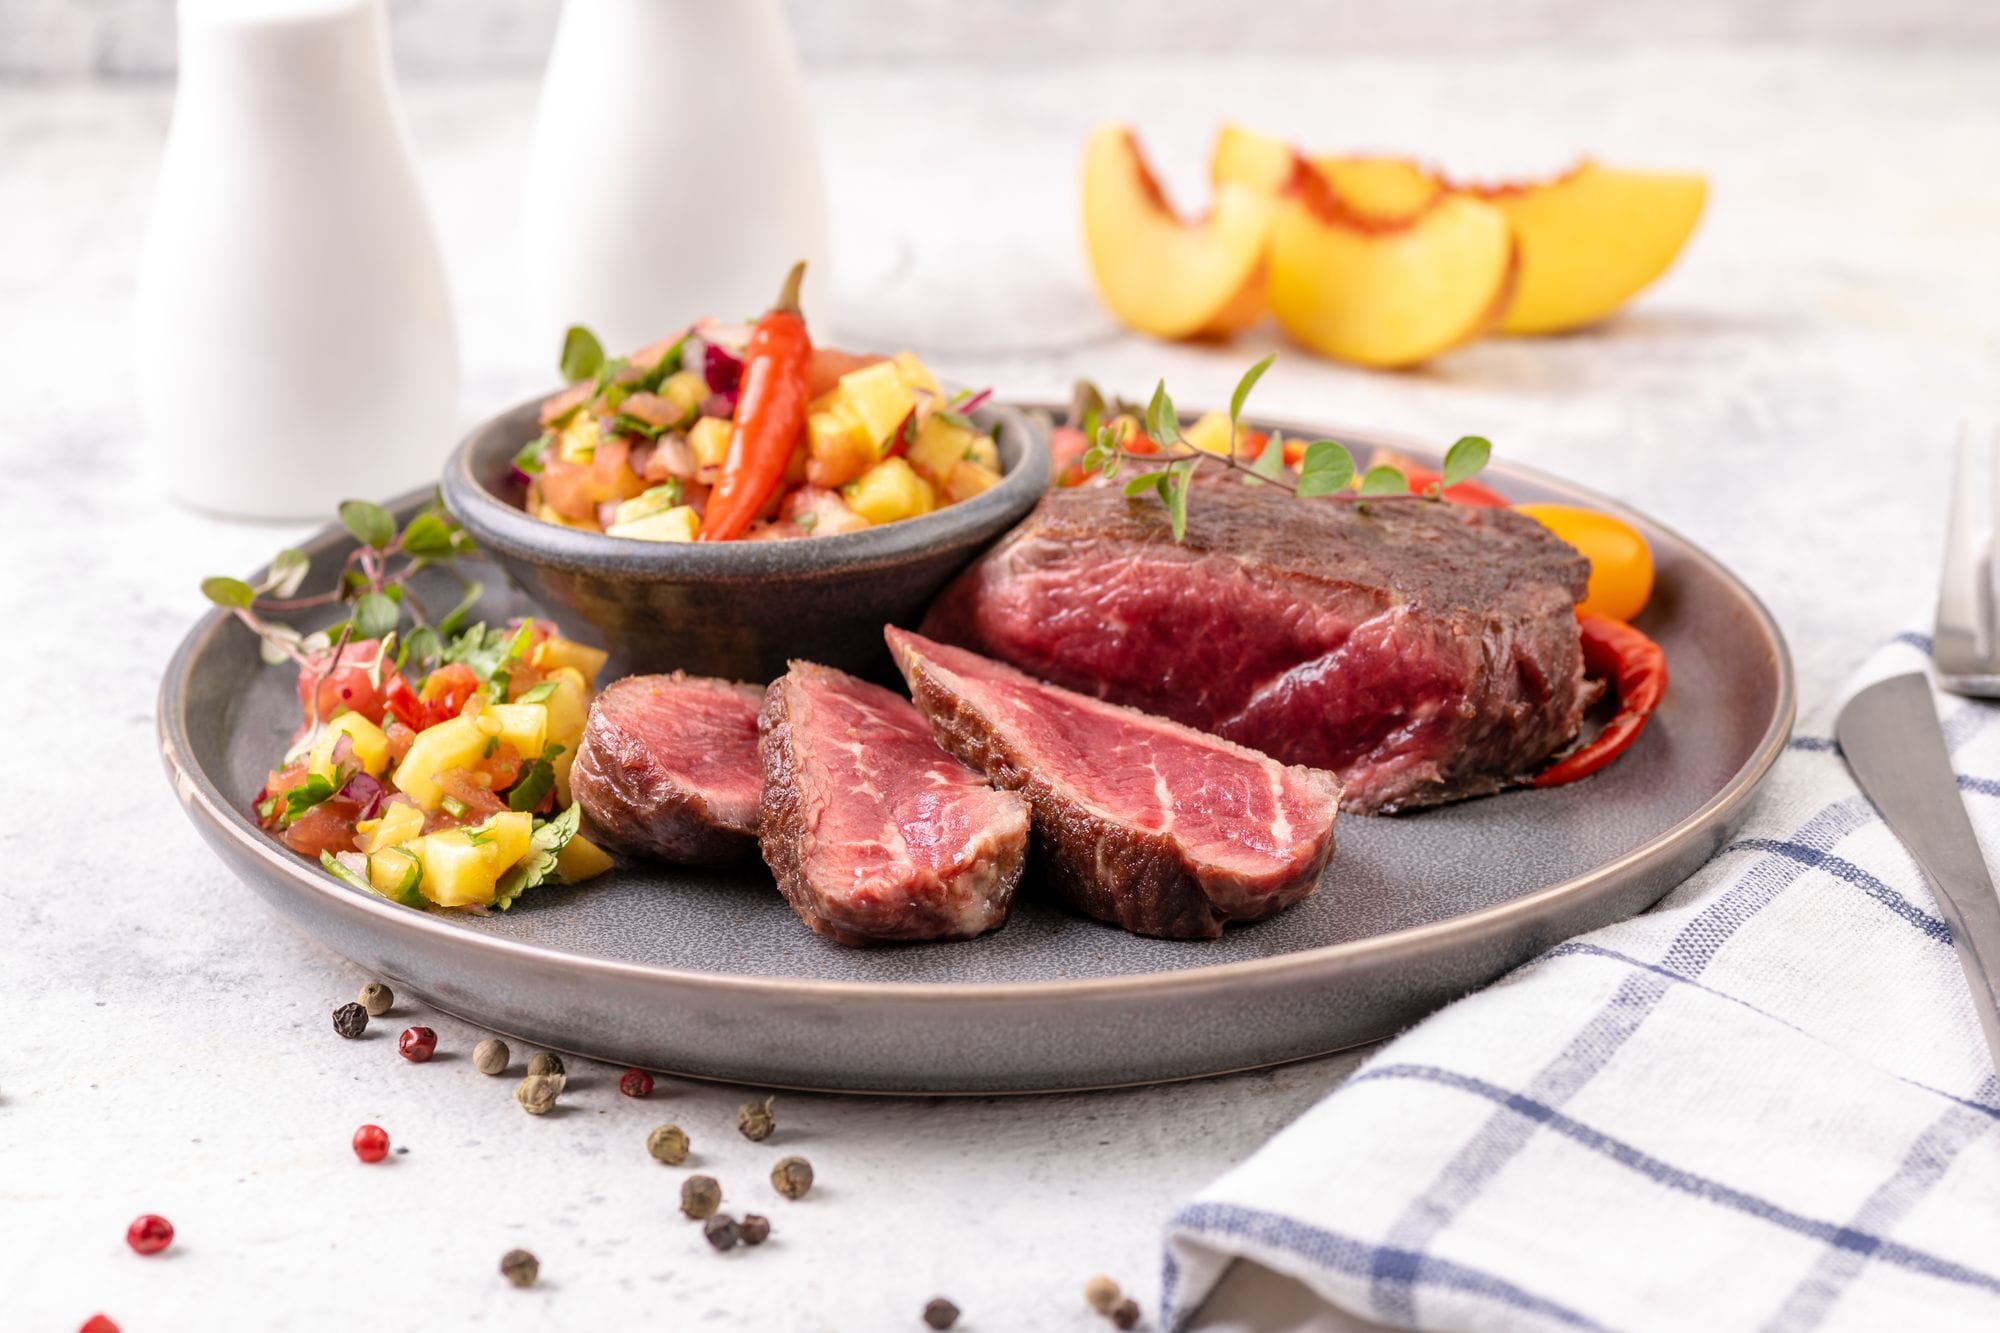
[[1425, 652], [638, 799], [1105, 867], [968, 895]]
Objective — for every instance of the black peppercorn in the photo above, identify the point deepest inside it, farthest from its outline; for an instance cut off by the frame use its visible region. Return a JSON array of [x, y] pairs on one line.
[[1125, 1314], [940, 1313], [722, 1232], [756, 1228], [700, 1196], [792, 1177], [350, 1020], [547, 1062], [520, 1268], [755, 1121]]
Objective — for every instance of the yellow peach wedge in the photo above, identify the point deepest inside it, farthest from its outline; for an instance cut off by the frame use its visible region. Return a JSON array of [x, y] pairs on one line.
[[1157, 272], [1592, 239], [1386, 292]]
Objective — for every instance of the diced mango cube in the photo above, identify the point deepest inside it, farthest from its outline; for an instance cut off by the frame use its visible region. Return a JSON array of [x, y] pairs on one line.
[[687, 390], [837, 447], [984, 452], [554, 653], [879, 399], [454, 743], [915, 373], [569, 708], [581, 859], [679, 524], [458, 871], [1210, 434], [398, 872], [371, 747], [523, 726], [506, 837], [578, 441], [401, 822], [967, 480], [889, 491], [710, 441], [940, 446]]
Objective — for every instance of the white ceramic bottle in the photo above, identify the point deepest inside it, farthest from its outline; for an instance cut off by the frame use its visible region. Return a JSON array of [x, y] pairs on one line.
[[674, 171], [296, 343]]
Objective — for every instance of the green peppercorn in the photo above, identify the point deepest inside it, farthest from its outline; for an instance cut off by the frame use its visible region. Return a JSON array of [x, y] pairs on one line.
[[350, 1020], [547, 1062], [491, 1056], [722, 1231], [520, 1268], [537, 1093], [377, 999], [700, 1196], [1125, 1314], [792, 1177], [669, 1144], [756, 1228], [940, 1313], [754, 1120]]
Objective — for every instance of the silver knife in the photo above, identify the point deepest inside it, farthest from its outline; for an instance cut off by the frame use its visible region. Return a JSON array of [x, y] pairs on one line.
[[1890, 737]]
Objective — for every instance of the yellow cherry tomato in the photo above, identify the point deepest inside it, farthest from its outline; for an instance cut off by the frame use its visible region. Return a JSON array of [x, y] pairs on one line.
[[1621, 565]]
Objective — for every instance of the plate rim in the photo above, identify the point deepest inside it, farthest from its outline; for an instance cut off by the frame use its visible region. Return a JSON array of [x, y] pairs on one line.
[[206, 804]]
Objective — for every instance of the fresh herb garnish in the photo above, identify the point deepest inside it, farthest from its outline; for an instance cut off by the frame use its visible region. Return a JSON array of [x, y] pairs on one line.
[[627, 424], [807, 521], [582, 355], [529, 458], [453, 807], [1325, 467], [541, 692], [315, 789], [550, 837], [340, 871], [535, 781]]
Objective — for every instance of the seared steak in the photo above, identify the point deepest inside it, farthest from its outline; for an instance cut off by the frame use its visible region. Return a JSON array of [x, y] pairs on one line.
[[1423, 651], [872, 831], [1138, 820], [668, 768]]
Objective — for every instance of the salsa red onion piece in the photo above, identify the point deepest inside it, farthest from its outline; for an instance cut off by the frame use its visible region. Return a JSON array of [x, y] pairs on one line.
[[722, 368], [720, 405], [974, 403], [366, 793]]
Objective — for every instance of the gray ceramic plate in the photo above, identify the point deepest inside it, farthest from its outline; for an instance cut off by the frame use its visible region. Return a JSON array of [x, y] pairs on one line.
[[710, 975]]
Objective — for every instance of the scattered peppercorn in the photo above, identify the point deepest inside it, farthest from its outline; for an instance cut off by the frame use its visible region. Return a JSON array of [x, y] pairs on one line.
[[792, 1177], [491, 1056], [722, 1231], [547, 1062], [537, 1093], [636, 1083], [756, 1228], [669, 1144], [754, 1120], [417, 1044], [1101, 1294], [350, 1020], [98, 1323], [377, 999], [149, 1233], [520, 1268], [1125, 1314], [700, 1196], [371, 1143], [940, 1313]]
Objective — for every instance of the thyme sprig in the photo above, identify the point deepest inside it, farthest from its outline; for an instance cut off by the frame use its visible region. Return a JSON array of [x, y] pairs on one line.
[[1325, 466], [373, 582]]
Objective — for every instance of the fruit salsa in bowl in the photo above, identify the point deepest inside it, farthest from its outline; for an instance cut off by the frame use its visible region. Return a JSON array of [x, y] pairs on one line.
[[732, 497]]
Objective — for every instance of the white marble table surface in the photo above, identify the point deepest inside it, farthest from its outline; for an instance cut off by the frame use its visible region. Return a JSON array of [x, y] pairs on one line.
[[1787, 396]]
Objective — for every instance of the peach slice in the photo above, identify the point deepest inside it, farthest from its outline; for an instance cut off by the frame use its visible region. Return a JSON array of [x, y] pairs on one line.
[[1386, 292], [1158, 273], [1381, 187], [1592, 239]]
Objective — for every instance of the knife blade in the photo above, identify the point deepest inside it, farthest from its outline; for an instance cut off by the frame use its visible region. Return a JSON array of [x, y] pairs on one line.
[[1890, 737]]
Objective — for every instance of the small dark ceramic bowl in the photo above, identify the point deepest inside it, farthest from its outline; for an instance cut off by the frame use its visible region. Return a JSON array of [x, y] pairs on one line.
[[739, 610]]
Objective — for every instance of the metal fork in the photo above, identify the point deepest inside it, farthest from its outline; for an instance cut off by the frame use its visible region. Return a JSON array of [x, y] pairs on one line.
[[1967, 638]]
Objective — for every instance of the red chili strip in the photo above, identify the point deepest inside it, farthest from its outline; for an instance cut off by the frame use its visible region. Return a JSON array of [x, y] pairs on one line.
[[1637, 667]]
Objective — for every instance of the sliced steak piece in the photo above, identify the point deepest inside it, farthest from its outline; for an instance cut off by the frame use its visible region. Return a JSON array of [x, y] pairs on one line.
[[1424, 652], [1138, 820], [873, 832], [668, 768]]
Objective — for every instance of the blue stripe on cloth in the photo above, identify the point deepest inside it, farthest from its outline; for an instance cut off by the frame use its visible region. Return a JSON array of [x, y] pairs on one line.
[[1842, 869], [1575, 948], [1820, 744], [1921, 642], [1392, 1293], [1865, 1243], [1978, 786], [1914, 1177], [1342, 1254]]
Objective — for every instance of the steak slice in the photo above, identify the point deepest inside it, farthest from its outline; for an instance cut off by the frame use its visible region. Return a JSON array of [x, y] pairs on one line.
[[873, 832], [1424, 652], [668, 768], [1138, 820]]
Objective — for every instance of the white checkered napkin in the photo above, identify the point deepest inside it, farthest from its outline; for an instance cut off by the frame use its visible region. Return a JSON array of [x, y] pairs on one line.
[[1764, 1105]]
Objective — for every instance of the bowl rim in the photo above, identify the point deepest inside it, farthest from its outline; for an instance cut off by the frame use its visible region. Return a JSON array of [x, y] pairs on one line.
[[504, 528]]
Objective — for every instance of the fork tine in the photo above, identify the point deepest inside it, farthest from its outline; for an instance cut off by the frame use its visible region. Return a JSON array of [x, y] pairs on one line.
[[1963, 635]]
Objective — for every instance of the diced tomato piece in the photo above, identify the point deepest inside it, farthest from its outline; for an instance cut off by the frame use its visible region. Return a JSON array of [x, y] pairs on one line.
[[1066, 449], [501, 769], [401, 702], [828, 364], [565, 486], [470, 791], [446, 691], [401, 737], [343, 683], [1465, 493], [327, 827]]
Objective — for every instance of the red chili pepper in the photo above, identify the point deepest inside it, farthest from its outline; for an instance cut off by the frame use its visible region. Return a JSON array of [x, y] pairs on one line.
[[402, 701], [770, 415], [1618, 652], [1465, 493]]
